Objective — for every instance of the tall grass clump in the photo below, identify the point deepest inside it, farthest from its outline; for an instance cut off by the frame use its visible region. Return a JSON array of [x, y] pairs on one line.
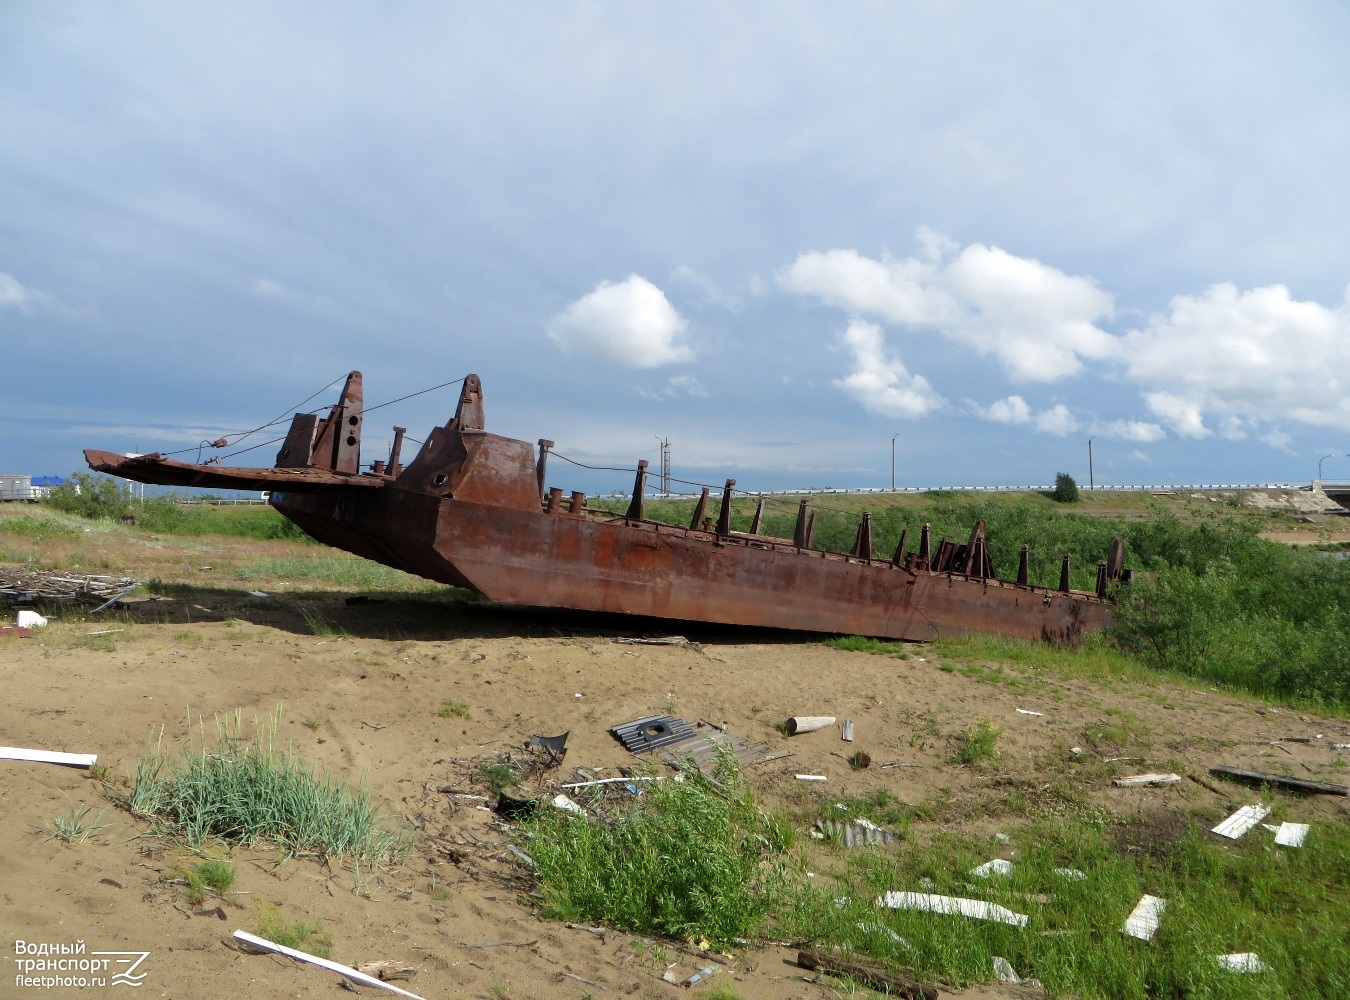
[[252, 792], [692, 857]]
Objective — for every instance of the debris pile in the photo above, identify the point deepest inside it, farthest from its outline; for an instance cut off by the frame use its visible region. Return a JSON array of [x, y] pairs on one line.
[[19, 585]]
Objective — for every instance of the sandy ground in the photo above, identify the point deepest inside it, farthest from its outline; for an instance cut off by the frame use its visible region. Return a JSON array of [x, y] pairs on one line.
[[456, 909]]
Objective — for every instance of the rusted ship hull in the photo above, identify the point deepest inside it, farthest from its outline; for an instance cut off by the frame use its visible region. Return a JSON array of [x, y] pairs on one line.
[[470, 510]]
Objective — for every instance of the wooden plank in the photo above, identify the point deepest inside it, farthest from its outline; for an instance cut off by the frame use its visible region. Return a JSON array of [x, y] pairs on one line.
[[872, 978], [1279, 781], [1132, 780]]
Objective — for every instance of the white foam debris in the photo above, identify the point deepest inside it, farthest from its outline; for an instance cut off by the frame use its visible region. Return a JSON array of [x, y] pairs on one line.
[[996, 867], [1241, 821], [975, 909], [1142, 923]]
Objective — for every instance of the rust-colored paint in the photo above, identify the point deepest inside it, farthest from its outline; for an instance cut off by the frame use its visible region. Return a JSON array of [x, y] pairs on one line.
[[468, 511]]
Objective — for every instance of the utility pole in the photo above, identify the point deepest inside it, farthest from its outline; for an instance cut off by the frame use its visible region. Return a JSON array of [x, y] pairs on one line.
[[1092, 484], [665, 463], [893, 437]]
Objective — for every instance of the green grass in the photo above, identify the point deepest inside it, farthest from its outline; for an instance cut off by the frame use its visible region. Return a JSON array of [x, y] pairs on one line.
[[452, 709], [321, 626], [207, 877], [1288, 906], [338, 569], [495, 775], [979, 742], [298, 934], [75, 826], [247, 793], [693, 859]]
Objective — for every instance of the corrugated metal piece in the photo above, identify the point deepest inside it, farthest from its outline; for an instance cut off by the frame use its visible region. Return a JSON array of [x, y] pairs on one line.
[[1241, 821], [705, 748], [1142, 923], [652, 733], [859, 833]]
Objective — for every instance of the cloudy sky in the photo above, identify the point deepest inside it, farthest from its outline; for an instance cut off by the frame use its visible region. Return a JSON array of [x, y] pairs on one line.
[[780, 234]]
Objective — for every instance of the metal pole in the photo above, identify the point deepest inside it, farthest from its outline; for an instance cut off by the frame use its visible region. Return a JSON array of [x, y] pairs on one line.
[[893, 437], [1319, 465], [1092, 483]]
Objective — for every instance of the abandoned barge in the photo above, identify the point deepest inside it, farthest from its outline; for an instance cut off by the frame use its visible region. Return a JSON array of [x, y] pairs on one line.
[[471, 510]]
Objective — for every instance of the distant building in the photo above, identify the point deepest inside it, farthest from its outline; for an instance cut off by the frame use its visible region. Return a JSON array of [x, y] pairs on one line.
[[29, 488]]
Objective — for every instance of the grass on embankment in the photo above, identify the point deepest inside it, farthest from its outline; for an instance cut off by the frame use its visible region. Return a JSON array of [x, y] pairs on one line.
[[697, 859]]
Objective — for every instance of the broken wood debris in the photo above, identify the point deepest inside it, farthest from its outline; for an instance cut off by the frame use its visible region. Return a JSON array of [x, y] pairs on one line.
[[975, 909], [387, 969], [1143, 921], [346, 972], [1279, 781], [18, 584], [501, 944], [1241, 821], [573, 975], [1134, 780], [869, 976], [660, 640]]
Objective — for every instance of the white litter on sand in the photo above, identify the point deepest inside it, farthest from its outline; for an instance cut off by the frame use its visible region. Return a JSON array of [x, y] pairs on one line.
[[1025, 711], [48, 756]]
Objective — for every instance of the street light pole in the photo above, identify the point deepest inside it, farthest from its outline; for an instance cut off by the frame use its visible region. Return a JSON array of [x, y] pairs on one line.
[[1319, 465], [893, 437], [1092, 483]]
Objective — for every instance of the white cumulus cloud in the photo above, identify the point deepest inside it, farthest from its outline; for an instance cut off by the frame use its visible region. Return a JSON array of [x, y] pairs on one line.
[[1039, 322], [879, 380], [630, 323], [1056, 420], [1235, 361], [1013, 410]]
